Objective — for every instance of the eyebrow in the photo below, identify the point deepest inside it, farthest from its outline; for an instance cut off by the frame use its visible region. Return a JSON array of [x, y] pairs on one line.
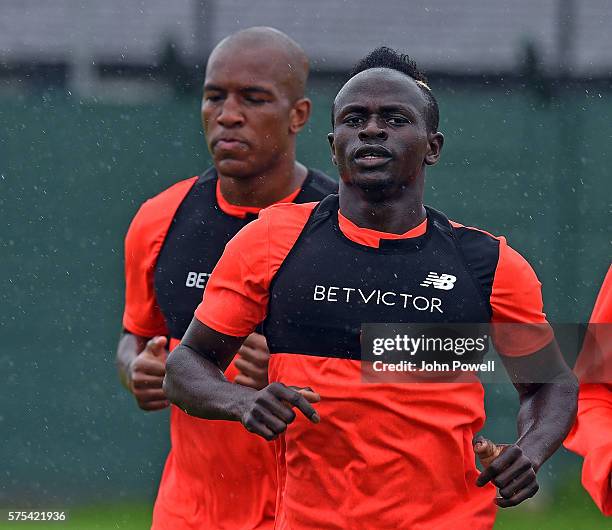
[[352, 108], [254, 89], [384, 108], [257, 90]]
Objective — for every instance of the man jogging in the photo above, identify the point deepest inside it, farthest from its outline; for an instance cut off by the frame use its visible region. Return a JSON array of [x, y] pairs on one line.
[[217, 475], [374, 455]]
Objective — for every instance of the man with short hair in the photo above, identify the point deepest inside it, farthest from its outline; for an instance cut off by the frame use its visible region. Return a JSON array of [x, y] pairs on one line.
[[384, 455], [217, 474]]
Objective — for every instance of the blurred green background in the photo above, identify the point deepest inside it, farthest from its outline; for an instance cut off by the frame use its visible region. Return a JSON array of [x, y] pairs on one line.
[[73, 173]]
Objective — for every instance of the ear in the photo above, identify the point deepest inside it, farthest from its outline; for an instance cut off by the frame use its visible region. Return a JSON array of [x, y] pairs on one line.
[[436, 141], [332, 145], [299, 114]]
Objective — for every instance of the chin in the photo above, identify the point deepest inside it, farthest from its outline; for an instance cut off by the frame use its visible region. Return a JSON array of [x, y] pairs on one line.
[[373, 181], [376, 188], [233, 168]]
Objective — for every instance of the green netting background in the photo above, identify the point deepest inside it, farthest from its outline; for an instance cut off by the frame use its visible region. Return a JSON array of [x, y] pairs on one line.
[[72, 174]]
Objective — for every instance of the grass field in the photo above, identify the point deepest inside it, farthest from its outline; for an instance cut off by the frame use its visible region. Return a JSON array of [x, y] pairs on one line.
[[571, 509]]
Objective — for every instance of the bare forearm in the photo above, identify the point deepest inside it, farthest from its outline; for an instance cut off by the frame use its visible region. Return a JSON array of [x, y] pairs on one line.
[[195, 382], [546, 417], [198, 386]]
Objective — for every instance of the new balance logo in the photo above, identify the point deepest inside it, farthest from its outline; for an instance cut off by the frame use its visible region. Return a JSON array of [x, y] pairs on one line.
[[443, 281]]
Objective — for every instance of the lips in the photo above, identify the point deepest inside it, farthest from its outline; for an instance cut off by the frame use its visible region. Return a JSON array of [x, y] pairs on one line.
[[229, 143], [372, 156]]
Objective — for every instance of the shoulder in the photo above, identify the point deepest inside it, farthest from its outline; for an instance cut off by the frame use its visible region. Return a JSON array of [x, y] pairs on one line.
[[266, 241], [286, 217], [465, 232], [316, 187], [322, 182], [508, 270], [277, 222], [154, 216], [167, 201], [516, 292], [479, 240], [161, 208], [293, 212], [481, 250]]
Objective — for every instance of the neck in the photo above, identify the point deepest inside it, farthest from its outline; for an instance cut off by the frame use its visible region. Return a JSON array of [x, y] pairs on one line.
[[264, 189], [395, 214]]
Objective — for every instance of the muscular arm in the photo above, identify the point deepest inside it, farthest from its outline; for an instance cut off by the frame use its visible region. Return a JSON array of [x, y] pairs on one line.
[[548, 393], [195, 382], [194, 374]]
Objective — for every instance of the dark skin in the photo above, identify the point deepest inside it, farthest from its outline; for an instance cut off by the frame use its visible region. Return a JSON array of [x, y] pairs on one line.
[[382, 145], [195, 382], [383, 190], [253, 107], [141, 364], [548, 393]]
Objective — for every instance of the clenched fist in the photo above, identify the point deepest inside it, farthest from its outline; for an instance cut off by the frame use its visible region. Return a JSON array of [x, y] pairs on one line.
[[508, 468], [146, 375]]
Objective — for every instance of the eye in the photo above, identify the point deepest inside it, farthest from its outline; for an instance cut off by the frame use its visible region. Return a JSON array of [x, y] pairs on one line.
[[213, 97], [353, 120], [398, 120], [255, 100]]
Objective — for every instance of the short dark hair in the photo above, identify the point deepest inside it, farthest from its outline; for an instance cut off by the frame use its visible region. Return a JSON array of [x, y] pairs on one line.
[[385, 57]]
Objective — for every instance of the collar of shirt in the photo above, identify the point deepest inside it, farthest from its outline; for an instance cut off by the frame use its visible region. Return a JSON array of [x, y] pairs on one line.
[[371, 238], [241, 211]]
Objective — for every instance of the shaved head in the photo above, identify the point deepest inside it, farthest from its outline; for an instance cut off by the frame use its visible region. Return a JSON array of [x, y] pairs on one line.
[[253, 104], [272, 46]]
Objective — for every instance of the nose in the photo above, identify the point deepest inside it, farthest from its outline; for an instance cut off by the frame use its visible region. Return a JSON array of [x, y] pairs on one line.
[[230, 114], [372, 129]]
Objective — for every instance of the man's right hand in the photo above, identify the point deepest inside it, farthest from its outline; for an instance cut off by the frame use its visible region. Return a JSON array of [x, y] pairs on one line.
[[270, 410], [146, 375]]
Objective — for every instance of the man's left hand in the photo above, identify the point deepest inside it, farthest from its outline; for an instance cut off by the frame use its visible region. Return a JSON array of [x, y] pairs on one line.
[[252, 361], [508, 468]]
